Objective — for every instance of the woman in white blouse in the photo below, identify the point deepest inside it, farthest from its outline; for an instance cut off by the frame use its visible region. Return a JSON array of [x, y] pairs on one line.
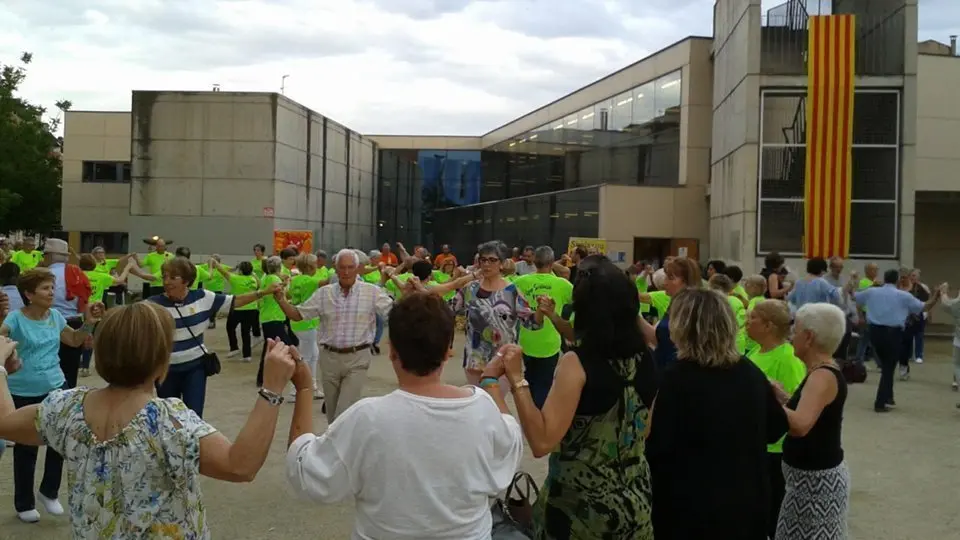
[[421, 462], [134, 460]]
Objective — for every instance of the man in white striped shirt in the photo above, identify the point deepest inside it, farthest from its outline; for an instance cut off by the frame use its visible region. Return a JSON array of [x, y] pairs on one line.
[[192, 311], [348, 311]]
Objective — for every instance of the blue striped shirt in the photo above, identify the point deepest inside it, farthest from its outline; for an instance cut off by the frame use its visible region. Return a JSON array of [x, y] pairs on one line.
[[888, 305], [195, 312]]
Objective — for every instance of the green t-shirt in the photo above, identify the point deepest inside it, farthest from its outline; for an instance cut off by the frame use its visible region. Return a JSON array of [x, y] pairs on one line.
[[286, 271], [154, 263], [106, 266], [740, 313], [443, 277], [372, 278], [642, 288], [26, 260], [203, 276], [865, 283], [512, 278], [99, 283], [270, 310], [752, 302], [301, 288], [660, 301], [214, 281], [240, 285], [258, 266], [740, 291], [546, 341], [324, 273], [781, 365], [392, 287]]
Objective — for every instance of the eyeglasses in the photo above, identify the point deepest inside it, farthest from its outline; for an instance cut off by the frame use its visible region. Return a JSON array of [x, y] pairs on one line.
[[489, 260]]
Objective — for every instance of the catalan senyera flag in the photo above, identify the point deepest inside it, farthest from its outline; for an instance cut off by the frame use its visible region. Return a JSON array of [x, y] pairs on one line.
[[830, 91]]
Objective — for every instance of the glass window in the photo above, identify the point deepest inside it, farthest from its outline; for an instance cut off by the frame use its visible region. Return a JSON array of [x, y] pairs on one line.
[[668, 93], [875, 118], [781, 226], [874, 173], [601, 119], [621, 115], [783, 172], [588, 119], [111, 242], [784, 119], [873, 228], [643, 104], [106, 172]]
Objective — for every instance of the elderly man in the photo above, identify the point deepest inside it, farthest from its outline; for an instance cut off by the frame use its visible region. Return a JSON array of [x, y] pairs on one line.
[[387, 256], [348, 311], [525, 265], [70, 294]]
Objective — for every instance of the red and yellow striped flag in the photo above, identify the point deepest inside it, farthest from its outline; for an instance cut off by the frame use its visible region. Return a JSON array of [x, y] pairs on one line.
[[830, 88]]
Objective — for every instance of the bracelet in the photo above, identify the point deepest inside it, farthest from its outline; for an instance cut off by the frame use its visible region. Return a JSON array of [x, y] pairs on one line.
[[88, 328], [489, 381]]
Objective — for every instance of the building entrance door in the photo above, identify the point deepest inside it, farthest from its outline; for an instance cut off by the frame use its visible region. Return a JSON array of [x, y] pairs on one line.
[[655, 250]]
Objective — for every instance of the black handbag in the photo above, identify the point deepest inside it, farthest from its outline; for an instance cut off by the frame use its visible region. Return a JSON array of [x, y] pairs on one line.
[[211, 362], [513, 515]]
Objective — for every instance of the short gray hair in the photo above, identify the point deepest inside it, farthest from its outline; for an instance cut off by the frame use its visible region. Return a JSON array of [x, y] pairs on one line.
[[543, 257], [272, 264], [826, 322], [347, 252], [659, 277], [493, 247], [321, 254]]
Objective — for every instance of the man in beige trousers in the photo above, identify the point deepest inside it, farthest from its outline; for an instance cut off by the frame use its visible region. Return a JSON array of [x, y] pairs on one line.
[[348, 311]]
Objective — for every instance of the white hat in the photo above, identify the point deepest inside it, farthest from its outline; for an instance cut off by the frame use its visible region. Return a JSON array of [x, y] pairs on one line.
[[56, 246]]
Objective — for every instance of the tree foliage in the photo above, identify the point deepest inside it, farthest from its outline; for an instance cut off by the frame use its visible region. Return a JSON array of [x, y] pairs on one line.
[[30, 166]]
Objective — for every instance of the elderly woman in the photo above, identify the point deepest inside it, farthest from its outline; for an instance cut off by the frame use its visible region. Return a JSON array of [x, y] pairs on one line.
[[494, 308], [192, 309], [714, 415], [768, 325], [592, 423], [395, 454], [681, 274], [134, 460], [817, 496], [302, 286]]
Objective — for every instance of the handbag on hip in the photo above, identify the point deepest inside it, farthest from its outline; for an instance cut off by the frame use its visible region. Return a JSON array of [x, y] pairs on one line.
[[211, 362], [513, 515]]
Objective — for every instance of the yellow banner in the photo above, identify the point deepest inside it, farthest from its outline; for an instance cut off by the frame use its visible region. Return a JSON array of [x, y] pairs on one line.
[[592, 245]]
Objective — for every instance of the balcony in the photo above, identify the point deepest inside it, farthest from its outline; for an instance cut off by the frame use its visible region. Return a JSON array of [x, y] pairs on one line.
[[880, 41]]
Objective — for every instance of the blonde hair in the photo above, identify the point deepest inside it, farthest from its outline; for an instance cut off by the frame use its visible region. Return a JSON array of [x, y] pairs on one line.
[[721, 283], [307, 263], [133, 344], [776, 313], [703, 328], [508, 267], [755, 283]]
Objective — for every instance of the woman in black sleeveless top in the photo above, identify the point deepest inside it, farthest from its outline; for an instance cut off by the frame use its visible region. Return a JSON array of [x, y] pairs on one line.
[[774, 271], [817, 496]]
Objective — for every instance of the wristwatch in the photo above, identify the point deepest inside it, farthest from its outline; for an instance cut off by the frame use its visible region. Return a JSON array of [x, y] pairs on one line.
[[272, 398], [522, 383]]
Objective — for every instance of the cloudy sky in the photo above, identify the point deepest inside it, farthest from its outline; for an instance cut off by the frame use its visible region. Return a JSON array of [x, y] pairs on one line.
[[379, 66]]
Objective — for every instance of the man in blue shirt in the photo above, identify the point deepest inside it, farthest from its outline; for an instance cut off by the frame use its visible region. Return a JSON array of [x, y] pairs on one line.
[[887, 309]]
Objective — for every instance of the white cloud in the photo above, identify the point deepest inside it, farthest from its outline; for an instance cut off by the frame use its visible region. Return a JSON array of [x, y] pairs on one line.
[[378, 66]]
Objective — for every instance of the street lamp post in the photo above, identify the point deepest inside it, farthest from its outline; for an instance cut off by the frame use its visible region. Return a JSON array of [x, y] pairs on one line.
[[283, 83]]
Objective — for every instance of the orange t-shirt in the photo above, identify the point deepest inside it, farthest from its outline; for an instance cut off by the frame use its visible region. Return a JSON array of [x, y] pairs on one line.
[[390, 259], [442, 258]]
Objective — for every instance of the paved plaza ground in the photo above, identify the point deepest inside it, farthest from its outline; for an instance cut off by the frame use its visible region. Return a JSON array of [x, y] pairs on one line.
[[904, 464]]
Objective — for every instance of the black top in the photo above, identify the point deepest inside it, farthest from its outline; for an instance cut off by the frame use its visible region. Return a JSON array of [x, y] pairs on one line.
[[708, 451], [604, 385], [767, 272], [820, 449]]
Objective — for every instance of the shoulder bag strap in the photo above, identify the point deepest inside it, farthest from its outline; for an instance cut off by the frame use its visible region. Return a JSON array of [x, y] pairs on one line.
[[192, 335]]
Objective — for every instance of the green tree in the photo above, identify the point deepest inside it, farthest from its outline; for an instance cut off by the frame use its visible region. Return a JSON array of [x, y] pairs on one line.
[[30, 166]]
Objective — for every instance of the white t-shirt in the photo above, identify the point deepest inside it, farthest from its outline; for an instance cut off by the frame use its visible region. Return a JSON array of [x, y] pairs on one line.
[[419, 468]]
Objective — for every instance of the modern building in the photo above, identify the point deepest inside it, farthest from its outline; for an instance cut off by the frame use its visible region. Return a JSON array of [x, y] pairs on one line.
[[216, 171], [698, 149]]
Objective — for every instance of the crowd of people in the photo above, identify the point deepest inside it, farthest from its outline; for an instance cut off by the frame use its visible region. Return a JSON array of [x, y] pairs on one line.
[[673, 402]]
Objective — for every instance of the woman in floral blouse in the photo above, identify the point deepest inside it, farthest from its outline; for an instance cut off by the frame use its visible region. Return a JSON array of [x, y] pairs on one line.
[[134, 461]]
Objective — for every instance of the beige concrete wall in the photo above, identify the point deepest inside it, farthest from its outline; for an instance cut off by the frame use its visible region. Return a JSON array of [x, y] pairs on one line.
[[628, 212], [937, 241], [938, 123], [94, 136], [908, 135], [660, 63], [428, 142], [736, 132], [696, 116]]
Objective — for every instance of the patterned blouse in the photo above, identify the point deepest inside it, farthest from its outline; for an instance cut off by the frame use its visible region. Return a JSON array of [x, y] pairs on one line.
[[492, 321], [142, 483]]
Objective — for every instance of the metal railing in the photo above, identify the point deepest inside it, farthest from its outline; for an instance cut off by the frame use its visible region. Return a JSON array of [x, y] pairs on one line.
[[880, 41]]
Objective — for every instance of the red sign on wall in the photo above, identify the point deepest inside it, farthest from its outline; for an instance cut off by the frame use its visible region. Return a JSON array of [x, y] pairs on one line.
[[267, 211]]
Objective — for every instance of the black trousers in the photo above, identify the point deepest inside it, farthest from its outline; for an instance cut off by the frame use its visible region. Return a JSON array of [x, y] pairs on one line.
[[778, 488], [276, 330], [906, 348], [70, 357], [25, 465], [887, 342], [249, 323]]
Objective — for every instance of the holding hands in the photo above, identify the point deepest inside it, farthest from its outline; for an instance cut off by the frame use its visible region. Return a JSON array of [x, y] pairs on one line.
[[508, 361], [279, 365], [8, 355], [94, 312], [546, 305]]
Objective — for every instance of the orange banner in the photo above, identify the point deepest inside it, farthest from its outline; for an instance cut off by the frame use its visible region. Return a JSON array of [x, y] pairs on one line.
[[830, 91], [302, 240]]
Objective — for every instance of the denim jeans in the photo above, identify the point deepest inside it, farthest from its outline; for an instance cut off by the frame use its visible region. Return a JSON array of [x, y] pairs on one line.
[[886, 341], [539, 373], [921, 327], [379, 335], [187, 381]]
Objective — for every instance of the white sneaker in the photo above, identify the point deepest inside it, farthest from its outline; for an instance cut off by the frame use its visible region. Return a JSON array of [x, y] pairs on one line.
[[52, 506], [904, 373], [30, 516], [919, 360], [233, 354], [247, 359], [956, 386]]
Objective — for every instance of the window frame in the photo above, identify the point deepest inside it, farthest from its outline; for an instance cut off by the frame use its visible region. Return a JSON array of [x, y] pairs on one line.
[[122, 171]]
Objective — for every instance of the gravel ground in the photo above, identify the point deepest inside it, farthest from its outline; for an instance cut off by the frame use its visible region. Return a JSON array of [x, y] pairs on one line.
[[904, 476]]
